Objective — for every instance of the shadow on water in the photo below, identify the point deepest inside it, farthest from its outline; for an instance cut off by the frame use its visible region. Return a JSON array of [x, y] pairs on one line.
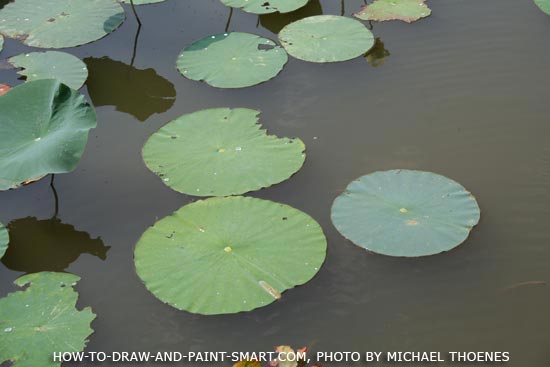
[[274, 22], [377, 54], [4, 3], [140, 93]]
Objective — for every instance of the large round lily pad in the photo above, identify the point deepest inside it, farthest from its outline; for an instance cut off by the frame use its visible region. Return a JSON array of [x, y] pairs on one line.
[[232, 60], [66, 68], [219, 152], [405, 213], [266, 6], [60, 23], [227, 255], [326, 38], [544, 5], [405, 10], [4, 239], [44, 128], [41, 320]]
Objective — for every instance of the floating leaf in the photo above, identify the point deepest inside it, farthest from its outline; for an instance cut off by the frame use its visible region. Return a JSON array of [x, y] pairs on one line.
[[219, 152], [405, 10], [232, 60], [405, 213], [48, 245], [60, 23], [326, 38], [266, 6], [43, 129], [66, 68], [4, 239], [274, 22], [210, 256], [140, 93], [4, 88], [41, 320], [143, 2], [378, 54], [544, 5]]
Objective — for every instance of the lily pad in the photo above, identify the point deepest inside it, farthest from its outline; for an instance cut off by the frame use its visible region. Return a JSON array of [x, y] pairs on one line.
[[326, 38], [405, 10], [544, 5], [266, 6], [405, 213], [60, 23], [227, 255], [66, 68], [232, 60], [41, 320], [219, 152], [4, 239], [44, 128]]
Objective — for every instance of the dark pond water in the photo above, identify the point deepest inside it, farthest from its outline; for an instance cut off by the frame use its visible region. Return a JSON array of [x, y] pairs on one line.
[[464, 93]]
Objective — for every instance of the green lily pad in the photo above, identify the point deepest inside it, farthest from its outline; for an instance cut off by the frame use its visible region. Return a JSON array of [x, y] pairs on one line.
[[44, 128], [143, 2], [219, 152], [232, 60], [60, 23], [227, 255], [41, 320], [405, 10], [68, 69], [326, 38], [4, 240], [405, 213], [544, 5], [266, 6]]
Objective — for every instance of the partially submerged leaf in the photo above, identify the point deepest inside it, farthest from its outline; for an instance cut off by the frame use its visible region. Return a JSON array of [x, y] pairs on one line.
[[405, 213], [210, 256], [266, 6], [4, 239], [405, 10], [4, 88], [326, 38], [544, 5], [232, 60], [219, 152], [66, 68], [48, 245], [60, 23], [378, 54], [41, 320], [44, 128]]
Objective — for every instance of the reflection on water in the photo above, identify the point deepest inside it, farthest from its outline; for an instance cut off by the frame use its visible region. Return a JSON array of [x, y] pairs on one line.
[[140, 93], [378, 54], [48, 245], [274, 22]]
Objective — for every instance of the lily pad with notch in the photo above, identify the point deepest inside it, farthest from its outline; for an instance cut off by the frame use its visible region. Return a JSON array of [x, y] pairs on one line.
[[405, 213], [228, 255], [62, 66], [219, 152], [60, 23], [44, 128], [266, 6], [232, 60], [384, 10], [44, 316], [326, 38]]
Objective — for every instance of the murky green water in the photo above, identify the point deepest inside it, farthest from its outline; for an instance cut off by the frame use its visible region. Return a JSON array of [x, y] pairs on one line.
[[463, 93]]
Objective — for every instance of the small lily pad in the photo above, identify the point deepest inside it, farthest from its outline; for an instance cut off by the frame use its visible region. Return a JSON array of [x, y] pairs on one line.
[[544, 5], [66, 68], [326, 38], [4, 240], [44, 128], [227, 255], [219, 152], [405, 10], [60, 23], [41, 320], [266, 6], [232, 60], [405, 213]]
